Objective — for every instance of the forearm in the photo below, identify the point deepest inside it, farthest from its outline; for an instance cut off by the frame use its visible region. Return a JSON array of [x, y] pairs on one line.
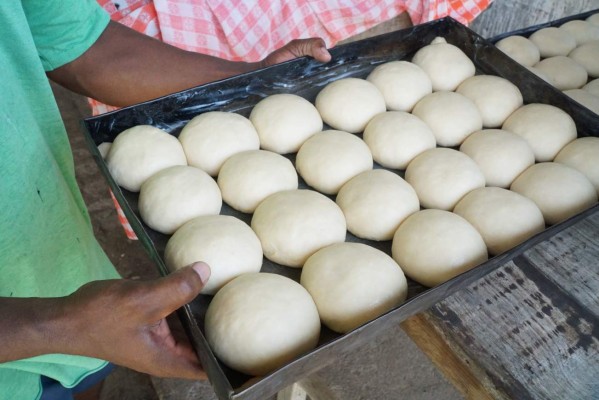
[[124, 67]]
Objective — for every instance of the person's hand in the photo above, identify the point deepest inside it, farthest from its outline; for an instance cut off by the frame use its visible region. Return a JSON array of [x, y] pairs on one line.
[[123, 321], [314, 47]]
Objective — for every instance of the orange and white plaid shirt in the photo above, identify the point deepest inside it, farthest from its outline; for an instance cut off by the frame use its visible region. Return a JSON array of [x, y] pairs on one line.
[[249, 30]]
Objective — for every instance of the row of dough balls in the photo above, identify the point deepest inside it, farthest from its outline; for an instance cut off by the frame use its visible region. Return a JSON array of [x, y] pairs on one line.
[[565, 56]]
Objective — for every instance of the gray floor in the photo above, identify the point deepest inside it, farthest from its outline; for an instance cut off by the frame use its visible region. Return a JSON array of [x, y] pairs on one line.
[[391, 368]]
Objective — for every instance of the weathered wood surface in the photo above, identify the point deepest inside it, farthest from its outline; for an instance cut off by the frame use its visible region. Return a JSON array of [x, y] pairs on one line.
[[529, 330], [508, 15]]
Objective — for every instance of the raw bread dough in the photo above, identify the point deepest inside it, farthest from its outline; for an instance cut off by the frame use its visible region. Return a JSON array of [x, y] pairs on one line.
[[502, 217], [294, 224], [553, 42], [593, 19], [541, 75], [210, 138], [396, 137], [247, 178], [329, 159], [348, 104], [284, 122], [441, 177], [587, 55], [564, 72], [495, 97], [582, 154], [582, 31], [558, 190], [500, 155], [451, 116], [585, 98], [104, 149], [520, 49], [175, 195], [259, 322], [225, 243], [546, 128], [139, 152], [375, 203], [433, 246], [447, 65], [402, 84], [352, 283], [593, 87]]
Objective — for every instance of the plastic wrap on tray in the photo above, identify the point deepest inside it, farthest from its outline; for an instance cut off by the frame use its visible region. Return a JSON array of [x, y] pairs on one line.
[[306, 78]]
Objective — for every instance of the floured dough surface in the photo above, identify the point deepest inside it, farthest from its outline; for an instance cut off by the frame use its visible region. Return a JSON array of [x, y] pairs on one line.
[[329, 159], [451, 116], [175, 195], [592, 87], [260, 321], [139, 152], [247, 178], [396, 137], [564, 72], [294, 224], [375, 203], [582, 154], [441, 177], [558, 190], [585, 98], [587, 55], [348, 104], [210, 138], [433, 246], [583, 31], [500, 155], [225, 243], [502, 217], [546, 128], [446, 65], [495, 97], [553, 41], [352, 283], [520, 49], [284, 122], [402, 84]]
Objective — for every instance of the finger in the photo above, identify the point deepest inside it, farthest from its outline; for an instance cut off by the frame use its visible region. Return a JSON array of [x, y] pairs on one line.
[[177, 289], [319, 50]]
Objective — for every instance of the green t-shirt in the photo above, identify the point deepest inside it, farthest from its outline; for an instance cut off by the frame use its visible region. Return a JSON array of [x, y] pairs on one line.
[[47, 246]]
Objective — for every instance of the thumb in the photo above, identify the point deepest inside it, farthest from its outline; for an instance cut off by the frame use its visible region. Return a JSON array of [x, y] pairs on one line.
[[177, 289]]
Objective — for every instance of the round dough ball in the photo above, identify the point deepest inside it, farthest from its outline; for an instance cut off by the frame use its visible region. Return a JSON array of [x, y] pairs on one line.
[[104, 149], [451, 116], [329, 159], [583, 155], [585, 98], [210, 138], [175, 195], [247, 178], [348, 104], [402, 84], [500, 155], [447, 65], [541, 75], [433, 246], [593, 19], [553, 42], [546, 128], [352, 283], [495, 97], [558, 190], [587, 55], [592, 87], [139, 152], [259, 322], [441, 177], [294, 224], [396, 137], [564, 72], [225, 243], [520, 49], [375, 203], [582, 31], [284, 122], [502, 217]]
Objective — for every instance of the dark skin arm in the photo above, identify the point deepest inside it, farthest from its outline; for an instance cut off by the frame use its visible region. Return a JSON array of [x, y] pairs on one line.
[[121, 321], [124, 67]]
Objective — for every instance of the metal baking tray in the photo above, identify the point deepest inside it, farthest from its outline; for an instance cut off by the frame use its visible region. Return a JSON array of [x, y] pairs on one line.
[[307, 77]]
